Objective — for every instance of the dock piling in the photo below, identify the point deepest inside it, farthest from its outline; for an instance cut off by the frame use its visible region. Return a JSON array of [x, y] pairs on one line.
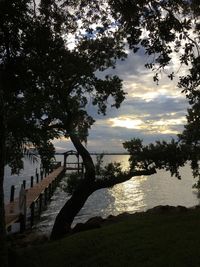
[[12, 193], [32, 208], [37, 196], [37, 178], [45, 196], [24, 184], [32, 178], [41, 175], [40, 204]]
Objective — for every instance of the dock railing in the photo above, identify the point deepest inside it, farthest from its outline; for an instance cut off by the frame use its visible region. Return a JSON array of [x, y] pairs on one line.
[[37, 196]]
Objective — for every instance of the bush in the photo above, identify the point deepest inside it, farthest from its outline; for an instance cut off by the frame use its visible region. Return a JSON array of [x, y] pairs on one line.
[[73, 182]]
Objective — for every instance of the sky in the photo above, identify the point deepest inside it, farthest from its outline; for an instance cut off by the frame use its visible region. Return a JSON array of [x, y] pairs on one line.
[[150, 112]]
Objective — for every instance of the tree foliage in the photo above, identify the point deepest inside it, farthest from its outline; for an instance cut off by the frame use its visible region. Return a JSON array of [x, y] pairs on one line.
[[47, 85], [164, 29], [161, 155], [160, 28], [22, 95]]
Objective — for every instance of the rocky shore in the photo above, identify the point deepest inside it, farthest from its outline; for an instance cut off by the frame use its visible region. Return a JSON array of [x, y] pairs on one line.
[[97, 222], [29, 238]]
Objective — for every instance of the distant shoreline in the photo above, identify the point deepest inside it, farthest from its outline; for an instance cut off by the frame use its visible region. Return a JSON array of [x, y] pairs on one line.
[[91, 153], [99, 153]]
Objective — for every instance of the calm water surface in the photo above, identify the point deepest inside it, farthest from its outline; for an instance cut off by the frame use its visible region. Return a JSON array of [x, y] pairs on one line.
[[137, 194]]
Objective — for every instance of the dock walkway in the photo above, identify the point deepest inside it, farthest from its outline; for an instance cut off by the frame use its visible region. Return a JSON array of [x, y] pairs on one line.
[[40, 192]]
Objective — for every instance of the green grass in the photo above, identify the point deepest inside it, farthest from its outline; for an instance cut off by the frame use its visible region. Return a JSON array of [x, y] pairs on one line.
[[142, 240]]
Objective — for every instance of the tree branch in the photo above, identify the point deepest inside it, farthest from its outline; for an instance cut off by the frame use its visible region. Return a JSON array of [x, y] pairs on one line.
[[87, 160], [183, 31], [123, 177], [34, 8]]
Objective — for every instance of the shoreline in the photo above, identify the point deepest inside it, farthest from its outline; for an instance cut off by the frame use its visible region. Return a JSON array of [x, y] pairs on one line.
[[29, 238]]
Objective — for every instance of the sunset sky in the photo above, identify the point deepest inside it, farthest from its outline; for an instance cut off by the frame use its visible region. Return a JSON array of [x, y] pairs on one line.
[[150, 112]]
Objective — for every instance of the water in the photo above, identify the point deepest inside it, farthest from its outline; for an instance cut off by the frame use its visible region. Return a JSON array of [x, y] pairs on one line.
[[137, 194], [30, 168]]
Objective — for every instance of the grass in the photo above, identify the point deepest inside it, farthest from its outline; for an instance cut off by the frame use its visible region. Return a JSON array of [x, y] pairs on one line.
[[142, 240]]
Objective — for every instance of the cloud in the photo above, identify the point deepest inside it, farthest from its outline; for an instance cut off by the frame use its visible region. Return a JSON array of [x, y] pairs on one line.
[[62, 144], [162, 117], [162, 126], [150, 112], [126, 122]]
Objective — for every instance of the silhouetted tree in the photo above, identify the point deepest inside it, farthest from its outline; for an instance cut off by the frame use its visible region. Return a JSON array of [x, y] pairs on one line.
[[161, 29], [22, 110], [46, 84], [43, 83], [10, 19]]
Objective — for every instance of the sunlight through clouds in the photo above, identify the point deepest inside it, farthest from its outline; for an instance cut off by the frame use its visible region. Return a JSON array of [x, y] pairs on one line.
[[169, 122], [161, 126], [150, 111], [126, 122], [62, 144], [148, 94]]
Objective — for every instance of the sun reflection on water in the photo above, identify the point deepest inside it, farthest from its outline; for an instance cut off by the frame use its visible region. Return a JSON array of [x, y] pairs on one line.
[[138, 194], [128, 196]]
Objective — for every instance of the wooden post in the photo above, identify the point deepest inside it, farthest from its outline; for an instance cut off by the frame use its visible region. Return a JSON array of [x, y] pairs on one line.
[[65, 160], [37, 178], [40, 204], [57, 180], [22, 208], [24, 184], [32, 207], [82, 168], [22, 220], [45, 196], [50, 191], [41, 175], [53, 187], [78, 164], [9, 228], [12, 193], [32, 178], [55, 183]]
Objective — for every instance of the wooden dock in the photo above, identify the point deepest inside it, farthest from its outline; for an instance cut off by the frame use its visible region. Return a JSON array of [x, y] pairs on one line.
[[74, 166], [39, 194]]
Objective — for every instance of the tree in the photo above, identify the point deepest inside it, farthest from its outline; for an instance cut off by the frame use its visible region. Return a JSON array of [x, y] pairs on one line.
[[21, 111], [161, 28], [174, 31], [50, 84], [6, 91], [42, 83]]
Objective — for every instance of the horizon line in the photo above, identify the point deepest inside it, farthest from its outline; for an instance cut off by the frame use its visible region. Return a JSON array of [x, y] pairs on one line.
[[98, 153]]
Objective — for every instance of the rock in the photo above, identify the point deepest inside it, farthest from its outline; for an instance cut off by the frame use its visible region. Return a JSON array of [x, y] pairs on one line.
[[123, 215], [167, 209], [26, 239], [197, 207], [111, 217], [181, 209], [79, 227], [95, 220]]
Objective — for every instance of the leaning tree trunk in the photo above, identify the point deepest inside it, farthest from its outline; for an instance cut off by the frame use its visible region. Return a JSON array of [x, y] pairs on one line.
[[71, 208], [3, 247], [67, 214]]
